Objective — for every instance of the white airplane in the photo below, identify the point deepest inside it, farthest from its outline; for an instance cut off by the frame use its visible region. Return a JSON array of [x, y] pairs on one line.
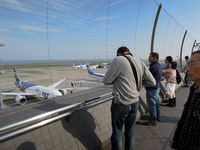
[[79, 66], [95, 75], [76, 66], [94, 66], [35, 90], [2, 72]]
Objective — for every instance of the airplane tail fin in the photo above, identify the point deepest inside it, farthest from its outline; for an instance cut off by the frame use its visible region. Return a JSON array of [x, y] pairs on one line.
[[18, 81], [89, 70]]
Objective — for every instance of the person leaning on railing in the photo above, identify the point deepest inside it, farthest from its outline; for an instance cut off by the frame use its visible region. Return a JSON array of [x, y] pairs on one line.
[[127, 74]]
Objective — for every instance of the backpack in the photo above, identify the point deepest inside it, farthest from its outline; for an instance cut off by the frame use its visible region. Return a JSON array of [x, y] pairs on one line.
[[178, 77]]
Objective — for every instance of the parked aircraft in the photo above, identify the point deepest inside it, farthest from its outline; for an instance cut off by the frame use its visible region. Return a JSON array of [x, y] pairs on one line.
[[76, 66], [35, 90], [96, 75], [94, 66], [2, 72], [79, 66]]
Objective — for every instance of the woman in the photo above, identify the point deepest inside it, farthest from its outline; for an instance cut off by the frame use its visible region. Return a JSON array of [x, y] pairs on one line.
[[170, 76], [168, 61]]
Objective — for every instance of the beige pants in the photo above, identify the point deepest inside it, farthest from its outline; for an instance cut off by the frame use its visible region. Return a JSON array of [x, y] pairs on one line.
[[170, 89]]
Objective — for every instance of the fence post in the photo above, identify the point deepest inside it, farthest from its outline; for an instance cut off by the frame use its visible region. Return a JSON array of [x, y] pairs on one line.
[[154, 27], [181, 51]]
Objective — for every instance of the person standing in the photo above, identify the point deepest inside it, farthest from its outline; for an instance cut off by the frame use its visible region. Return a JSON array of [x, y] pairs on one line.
[[168, 60], [152, 92], [186, 78], [187, 133], [170, 85], [126, 86]]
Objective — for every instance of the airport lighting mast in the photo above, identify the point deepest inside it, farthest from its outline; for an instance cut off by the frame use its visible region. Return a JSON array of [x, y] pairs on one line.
[[1, 101]]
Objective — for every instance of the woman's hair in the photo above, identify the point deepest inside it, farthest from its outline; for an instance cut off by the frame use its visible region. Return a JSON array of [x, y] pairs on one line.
[[174, 64], [169, 59]]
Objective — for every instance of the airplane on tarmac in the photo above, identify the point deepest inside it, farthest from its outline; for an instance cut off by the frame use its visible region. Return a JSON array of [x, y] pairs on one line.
[[94, 66], [35, 90], [95, 75], [2, 72], [79, 66]]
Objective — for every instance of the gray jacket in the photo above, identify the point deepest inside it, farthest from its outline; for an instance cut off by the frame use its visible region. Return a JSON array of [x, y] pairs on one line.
[[120, 74]]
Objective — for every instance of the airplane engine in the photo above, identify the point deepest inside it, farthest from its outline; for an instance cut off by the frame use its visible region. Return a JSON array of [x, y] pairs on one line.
[[62, 92], [21, 100]]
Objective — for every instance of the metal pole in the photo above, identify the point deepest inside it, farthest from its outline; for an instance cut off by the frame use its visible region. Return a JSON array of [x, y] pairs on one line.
[[1, 101], [193, 46], [181, 51], [154, 27]]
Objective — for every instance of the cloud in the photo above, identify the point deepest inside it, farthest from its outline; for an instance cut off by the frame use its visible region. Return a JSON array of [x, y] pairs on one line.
[[26, 27], [117, 2], [104, 18], [2, 29], [31, 28], [16, 5], [72, 6]]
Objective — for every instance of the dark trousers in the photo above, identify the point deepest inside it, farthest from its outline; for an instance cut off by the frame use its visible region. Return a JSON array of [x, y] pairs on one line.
[[123, 115], [187, 79]]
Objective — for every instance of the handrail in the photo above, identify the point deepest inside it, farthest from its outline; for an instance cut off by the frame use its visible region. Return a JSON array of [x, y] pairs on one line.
[[49, 113], [84, 105], [37, 117]]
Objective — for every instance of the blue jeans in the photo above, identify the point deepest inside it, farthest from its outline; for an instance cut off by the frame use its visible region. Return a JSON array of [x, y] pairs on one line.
[[123, 115], [153, 104]]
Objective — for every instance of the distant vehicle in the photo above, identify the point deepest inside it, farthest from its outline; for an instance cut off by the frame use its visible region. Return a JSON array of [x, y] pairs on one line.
[[79, 66], [35, 90], [95, 75]]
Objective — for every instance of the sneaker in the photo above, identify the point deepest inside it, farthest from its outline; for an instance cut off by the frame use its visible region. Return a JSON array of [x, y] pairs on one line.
[[150, 124]]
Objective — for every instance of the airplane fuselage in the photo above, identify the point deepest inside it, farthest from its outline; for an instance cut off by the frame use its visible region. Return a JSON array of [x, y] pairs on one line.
[[43, 92], [39, 91]]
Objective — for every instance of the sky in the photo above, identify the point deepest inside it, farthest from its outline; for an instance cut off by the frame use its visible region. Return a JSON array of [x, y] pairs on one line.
[[59, 29]]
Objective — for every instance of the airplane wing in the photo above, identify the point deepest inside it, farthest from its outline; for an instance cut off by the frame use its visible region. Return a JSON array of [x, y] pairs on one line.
[[56, 84], [14, 94], [72, 90]]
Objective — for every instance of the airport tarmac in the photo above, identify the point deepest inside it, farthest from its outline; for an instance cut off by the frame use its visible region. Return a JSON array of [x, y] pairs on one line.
[[43, 76]]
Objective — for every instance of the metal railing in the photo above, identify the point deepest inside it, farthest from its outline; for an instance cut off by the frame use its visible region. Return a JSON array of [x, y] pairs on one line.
[[35, 122]]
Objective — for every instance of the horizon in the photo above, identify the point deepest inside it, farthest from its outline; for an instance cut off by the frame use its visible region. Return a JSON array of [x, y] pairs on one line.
[[2, 62]]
